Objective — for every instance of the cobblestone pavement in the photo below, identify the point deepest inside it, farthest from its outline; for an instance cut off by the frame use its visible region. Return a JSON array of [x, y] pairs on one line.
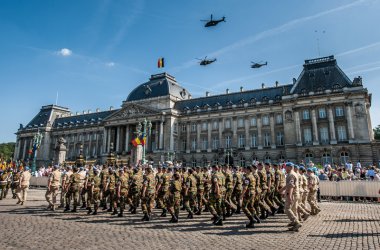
[[338, 226]]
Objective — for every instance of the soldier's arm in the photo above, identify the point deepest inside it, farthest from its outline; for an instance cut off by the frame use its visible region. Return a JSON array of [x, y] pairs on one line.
[[245, 187]]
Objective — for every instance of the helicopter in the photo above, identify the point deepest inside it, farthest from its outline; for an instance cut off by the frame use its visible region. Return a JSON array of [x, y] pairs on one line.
[[206, 61], [213, 22], [258, 65]]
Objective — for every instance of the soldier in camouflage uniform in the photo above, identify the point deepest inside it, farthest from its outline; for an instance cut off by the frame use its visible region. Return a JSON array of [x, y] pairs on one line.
[[270, 184], [207, 188], [237, 183], [74, 187], [199, 176], [15, 182], [216, 193], [158, 175], [122, 190], [265, 210], [103, 194], [65, 188], [279, 183], [173, 201], [95, 181], [162, 189], [147, 194], [230, 206], [110, 190], [135, 189], [248, 195], [301, 211], [190, 193]]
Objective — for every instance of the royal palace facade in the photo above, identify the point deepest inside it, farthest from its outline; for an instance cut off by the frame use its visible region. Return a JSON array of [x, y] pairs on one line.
[[322, 116]]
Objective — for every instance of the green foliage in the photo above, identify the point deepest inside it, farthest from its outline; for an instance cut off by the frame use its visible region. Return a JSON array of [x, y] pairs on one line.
[[6, 150], [376, 132]]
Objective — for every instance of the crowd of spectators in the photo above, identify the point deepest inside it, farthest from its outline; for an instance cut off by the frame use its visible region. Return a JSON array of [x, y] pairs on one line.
[[349, 172]]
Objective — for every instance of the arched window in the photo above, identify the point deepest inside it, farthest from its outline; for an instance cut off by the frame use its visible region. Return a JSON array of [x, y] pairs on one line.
[[242, 161], [308, 157], [216, 161], [326, 158], [204, 162], [344, 158], [193, 162]]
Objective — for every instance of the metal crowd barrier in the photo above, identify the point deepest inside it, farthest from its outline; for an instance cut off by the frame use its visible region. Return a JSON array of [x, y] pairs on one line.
[[350, 188], [38, 181]]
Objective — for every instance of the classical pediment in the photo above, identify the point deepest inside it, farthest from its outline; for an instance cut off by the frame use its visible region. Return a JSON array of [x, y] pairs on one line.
[[133, 111]]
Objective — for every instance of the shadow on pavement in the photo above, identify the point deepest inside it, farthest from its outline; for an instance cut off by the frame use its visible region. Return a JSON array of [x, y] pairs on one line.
[[345, 235]]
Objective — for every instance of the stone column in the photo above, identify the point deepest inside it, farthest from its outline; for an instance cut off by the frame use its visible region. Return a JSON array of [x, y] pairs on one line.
[[221, 128], [108, 139], [161, 135], [246, 127], [118, 137], [97, 143], [350, 126], [127, 138], [24, 150], [315, 126], [199, 144], [272, 134], [259, 133], [188, 143], [331, 125], [157, 135], [298, 127], [104, 142], [234, 132], [209, 128]]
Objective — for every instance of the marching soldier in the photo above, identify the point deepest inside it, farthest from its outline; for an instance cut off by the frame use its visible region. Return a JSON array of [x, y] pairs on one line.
[[265, 210], [122, 190], [53, 187], [23, 186], [15, 182], [173, 201], [159, 201], [237, 183], [207, 186], [248, 197], [230, 206], [270, 184], [216, 192], [190, 193], [104, 176], [301, 210], [4, 176], [147, 194], [162, 190], [74, 187], [65, 194], [110, 190], [199, 176], [95, 182], [291, 197], [279, 183], [313, 187], [135, 189]]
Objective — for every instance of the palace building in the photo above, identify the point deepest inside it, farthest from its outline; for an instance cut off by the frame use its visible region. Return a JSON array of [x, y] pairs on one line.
[[323, 116]]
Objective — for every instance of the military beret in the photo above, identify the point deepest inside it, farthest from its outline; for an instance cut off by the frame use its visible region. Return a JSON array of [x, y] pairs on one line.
[[309, 170], [267, 164], [302, 168], [296, 166], [289, 164], [275, 164]]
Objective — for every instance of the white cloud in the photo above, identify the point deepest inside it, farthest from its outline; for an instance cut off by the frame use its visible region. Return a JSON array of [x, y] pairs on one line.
[[110, 64], [64, 52]]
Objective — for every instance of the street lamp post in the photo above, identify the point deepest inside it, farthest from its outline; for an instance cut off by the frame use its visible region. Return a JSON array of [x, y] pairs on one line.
[[144, 130], [37, 139]]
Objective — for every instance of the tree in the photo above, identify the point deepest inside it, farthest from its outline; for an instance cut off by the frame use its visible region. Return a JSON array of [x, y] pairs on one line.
[[376, 132], [6, 150]]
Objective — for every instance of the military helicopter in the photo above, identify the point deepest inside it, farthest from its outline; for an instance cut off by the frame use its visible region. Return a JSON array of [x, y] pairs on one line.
[[206, 61], [258, 65], [213, 22]]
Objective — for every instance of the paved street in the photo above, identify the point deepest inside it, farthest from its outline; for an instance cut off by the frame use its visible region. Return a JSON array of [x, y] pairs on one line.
[[338, 226]]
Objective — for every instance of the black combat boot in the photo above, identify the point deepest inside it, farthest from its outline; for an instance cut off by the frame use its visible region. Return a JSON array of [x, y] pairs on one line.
[[95, 212], [163, 213], [238, 210], [274, 211], [145, 218], [257, 219], [174, 219], [89, 211], [134, 211], [83, 205], [104, 207], [262, 217], [251, 223], [130, 209], [114, 211], [219, 221], [199, 212], [74, 209], [109, 209], [67, 208], [190, 215], [120, 214]]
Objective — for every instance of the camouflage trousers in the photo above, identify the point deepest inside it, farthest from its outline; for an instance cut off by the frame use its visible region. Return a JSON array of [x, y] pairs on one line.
[[190, 201], [173, 204], [161, 199], [147, 203], [3, 191], [216, 204], [248, 205], [312, 200], [51, 194], [228, 200], [74, 193], [291, 209]]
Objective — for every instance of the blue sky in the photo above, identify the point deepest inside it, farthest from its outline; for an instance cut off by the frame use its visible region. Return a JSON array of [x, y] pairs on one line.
[[95, 52]]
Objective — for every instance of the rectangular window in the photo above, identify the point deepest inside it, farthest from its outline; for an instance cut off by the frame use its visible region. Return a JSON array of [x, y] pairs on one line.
[[265, 120], [254, 140], [193, 127], [94, 137], [342, 136], [279, 119], [322, 113], [280, 139], [184, 128], [324, 132], [241, 141], [184, 145], [204, 126], [228, 141], [241, 122], [306, 114], [215, 125], [194, 144], [339, 111], [227, 123], [253, 122], [215, 143], [266, 139], [307, 135], [204, 144], [175, 127]]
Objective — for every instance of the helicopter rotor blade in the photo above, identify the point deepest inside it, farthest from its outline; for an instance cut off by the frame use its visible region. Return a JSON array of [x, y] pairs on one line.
[[211, 17]]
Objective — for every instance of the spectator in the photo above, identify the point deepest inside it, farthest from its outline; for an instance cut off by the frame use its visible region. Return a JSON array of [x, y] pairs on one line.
[[323, 176], [371, 173]]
